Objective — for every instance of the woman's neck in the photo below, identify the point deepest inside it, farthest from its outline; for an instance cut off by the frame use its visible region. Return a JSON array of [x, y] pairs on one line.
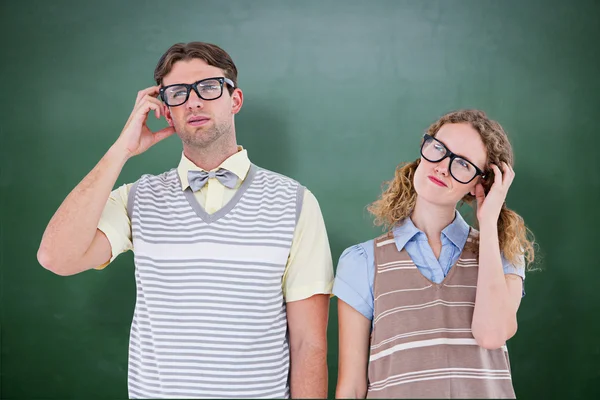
[[431, 219]]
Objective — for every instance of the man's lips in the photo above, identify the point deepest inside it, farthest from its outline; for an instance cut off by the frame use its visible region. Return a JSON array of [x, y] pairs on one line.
[[197, 121]]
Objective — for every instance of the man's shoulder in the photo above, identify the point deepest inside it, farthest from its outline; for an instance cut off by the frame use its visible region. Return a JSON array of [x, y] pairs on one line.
[[163, 177], [276, 177]]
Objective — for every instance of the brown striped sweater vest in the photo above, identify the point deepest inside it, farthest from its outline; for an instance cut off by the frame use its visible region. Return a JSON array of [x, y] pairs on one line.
[[422, 345]]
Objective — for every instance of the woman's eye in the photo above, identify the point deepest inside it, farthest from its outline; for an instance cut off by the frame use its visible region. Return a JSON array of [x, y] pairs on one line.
[[463, 163]]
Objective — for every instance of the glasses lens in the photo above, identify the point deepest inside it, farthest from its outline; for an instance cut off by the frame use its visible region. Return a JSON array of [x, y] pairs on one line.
[[462, 170], [175, 95], [210, 89], [433, 150]]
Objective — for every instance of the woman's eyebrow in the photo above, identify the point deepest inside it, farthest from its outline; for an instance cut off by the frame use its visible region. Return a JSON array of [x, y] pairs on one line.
[[459, 155]]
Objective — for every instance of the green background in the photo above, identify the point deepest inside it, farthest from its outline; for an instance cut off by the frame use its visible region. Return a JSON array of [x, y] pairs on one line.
[[336, 94]]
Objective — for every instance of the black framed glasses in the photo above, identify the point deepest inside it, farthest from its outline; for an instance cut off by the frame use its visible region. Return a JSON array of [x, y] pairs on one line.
[[206, 89], [461, 169]]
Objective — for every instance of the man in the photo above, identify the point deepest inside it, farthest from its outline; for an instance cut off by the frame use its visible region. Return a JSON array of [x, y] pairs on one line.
[[233, 266]]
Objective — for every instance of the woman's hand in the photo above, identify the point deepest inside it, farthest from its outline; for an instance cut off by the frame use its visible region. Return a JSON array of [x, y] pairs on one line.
[[488, 207]]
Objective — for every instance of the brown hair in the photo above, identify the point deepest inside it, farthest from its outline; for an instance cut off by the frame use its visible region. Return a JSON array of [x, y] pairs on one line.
[[398, 200], [212, 54]]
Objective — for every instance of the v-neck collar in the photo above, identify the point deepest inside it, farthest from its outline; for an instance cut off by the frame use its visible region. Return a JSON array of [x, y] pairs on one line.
[[210, 218]]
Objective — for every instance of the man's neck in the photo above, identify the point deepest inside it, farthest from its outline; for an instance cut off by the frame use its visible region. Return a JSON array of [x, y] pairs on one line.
[[212, 156]]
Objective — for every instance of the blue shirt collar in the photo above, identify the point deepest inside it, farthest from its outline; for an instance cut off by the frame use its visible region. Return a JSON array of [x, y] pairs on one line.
[[457, 232]]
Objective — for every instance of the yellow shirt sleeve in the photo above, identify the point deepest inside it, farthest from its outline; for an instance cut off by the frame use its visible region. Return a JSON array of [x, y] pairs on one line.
[[309, 269], [115, 222]]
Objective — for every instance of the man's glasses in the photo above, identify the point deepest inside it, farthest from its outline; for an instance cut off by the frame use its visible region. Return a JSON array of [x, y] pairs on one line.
[[461, 169], [206, 89]]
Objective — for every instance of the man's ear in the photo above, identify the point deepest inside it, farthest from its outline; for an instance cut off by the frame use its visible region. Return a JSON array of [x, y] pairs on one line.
[[237, 99], [167, 114]]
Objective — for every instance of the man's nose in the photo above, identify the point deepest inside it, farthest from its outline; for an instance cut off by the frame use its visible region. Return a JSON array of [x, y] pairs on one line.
[[194, 101]]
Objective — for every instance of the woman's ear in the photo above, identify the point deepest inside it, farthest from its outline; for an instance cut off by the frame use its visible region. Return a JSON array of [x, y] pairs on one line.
[[480, 181], [487, 182]]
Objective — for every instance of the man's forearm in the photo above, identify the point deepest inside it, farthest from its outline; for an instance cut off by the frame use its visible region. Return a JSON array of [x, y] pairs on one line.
[[73, 226], [309, 372]]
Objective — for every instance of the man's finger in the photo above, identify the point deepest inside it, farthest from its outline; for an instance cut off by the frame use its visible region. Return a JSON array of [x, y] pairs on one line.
[[145, 108], [147, 104], [163, 133], [150, 99], [150, 91]]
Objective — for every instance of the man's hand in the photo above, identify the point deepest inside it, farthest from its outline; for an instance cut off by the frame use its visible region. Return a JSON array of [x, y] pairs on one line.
[[136, 137], [72, 242]]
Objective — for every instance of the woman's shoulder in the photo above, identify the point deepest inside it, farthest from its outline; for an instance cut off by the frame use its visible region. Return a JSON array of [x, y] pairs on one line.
[[359, 251]]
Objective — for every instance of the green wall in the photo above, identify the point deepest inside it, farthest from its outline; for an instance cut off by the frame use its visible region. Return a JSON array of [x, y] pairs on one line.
[[336, 94]]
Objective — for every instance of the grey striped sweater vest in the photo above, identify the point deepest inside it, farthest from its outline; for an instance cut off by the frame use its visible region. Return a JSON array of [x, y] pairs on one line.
[[210, 318], [422, 345]]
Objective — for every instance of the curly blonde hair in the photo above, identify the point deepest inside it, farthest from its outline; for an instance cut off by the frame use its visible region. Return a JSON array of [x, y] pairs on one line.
[[398, 200]]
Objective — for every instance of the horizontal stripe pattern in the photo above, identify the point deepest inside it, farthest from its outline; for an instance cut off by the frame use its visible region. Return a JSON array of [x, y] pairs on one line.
[[440, 373], [210, 317], [413, 307], [419, 333], [422, 344], [395, 265]]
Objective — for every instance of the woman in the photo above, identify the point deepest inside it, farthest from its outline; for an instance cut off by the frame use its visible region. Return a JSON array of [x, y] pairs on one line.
[[425, 310]]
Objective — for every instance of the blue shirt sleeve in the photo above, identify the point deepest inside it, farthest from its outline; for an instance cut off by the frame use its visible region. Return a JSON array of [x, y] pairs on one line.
[[355, 273], [517, 269]]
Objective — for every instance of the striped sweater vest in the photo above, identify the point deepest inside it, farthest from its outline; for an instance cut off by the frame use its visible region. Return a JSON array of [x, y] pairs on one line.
[[422, 345], [210, 318]]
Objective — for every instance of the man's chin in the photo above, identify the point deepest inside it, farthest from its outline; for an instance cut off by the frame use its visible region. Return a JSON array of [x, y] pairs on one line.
[[198, 137]]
